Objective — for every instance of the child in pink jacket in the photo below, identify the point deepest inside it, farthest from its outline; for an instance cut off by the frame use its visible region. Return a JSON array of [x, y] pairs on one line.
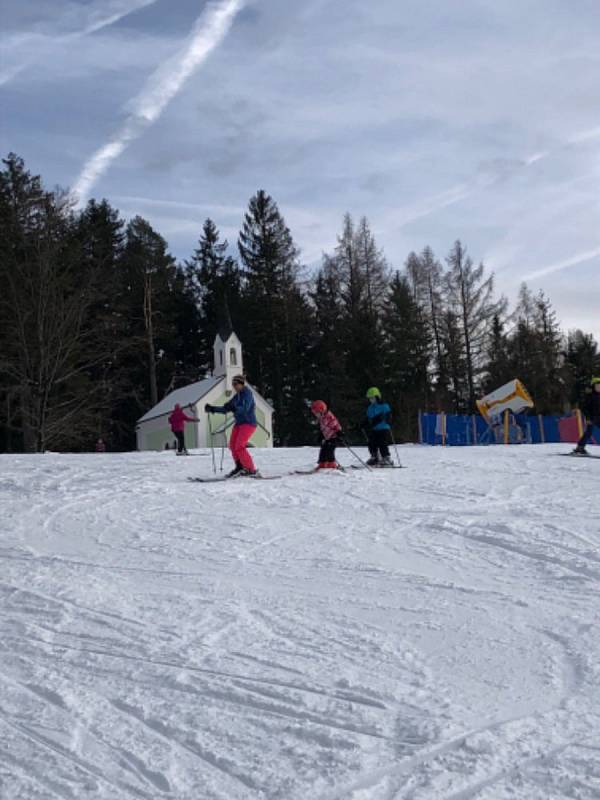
[[331, 431]]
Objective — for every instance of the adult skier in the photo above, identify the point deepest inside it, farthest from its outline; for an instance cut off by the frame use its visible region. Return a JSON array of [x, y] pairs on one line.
[[591, 409], [177, 420], [378, 418], [244, 411], [330, 434]]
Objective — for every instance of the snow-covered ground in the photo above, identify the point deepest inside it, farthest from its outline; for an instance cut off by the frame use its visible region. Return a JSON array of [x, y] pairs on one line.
[[428, 633]]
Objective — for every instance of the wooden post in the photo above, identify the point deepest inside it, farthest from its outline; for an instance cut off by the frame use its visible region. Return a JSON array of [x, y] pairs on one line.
[[444, 428], [506, 427], [541, 424], [474, 418]]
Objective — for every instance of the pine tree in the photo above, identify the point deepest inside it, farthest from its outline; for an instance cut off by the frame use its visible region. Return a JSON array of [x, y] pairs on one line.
[[470, 299], [100, 231], [425, 276], [333, 382], [46, 292], [536, 346], [407, 352], [216, 281], [583, 362], [164, 341], [499, 368], [276, 311], [358, 270], [454, 357]]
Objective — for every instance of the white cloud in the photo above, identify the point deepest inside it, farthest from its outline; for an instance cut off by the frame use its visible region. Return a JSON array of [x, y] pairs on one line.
[[475, 120], [31, 48]]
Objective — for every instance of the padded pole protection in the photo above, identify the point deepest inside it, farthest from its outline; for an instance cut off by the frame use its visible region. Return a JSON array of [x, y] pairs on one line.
[[443, 420], [542, 432], [579, 416]]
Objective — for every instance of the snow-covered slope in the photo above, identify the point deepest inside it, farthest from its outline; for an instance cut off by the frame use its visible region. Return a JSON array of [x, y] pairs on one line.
[[428, 633]]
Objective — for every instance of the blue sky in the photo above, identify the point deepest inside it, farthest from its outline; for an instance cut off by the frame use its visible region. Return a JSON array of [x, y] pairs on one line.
[[466, 119]]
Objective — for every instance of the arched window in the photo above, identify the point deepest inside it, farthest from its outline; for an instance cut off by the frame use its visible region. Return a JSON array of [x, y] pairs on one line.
[[233, 357]]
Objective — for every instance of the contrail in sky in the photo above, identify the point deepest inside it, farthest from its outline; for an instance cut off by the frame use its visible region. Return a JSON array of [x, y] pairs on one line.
[[37, 40], [559, 266], [462, 191], [209, 31]]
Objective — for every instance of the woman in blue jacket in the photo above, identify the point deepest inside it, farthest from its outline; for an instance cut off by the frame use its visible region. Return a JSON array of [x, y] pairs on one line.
[[378, 417], [243, 407]]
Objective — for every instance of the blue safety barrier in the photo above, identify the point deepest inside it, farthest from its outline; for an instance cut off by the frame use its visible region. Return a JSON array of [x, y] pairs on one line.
[[471, 429]]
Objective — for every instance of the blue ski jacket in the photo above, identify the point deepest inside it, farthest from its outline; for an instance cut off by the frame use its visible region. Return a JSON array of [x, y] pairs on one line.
[[379, 415], [243, 406]]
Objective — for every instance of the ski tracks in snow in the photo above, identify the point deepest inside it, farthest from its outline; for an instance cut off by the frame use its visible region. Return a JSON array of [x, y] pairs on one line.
[[402, 635]]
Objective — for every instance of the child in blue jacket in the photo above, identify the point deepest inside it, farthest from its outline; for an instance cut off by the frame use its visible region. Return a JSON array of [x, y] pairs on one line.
[[378, 416]]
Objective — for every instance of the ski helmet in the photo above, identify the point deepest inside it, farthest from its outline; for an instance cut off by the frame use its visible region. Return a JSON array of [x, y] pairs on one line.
[[318, 407], [373, 392], [595, 380]]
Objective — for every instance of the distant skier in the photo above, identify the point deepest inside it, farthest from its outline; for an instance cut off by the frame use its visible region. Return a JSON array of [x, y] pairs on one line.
[[379, 415], [330, 437], [591, 409], [243, 407], [100, 446], [177, 420]]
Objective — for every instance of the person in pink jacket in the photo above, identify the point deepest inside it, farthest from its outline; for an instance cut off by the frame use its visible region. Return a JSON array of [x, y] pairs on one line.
[[177, 420], [330, 434]]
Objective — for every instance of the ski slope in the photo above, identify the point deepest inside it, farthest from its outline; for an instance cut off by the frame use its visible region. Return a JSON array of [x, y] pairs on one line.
[[428, 633]]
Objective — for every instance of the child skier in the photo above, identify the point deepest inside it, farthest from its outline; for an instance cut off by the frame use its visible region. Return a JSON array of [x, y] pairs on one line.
[[177, 420], [378, 417], [591, 409], [331, 431], [243, 406]]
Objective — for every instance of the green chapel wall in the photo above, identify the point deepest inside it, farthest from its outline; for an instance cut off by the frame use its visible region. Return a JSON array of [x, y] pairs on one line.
[[156, 439]]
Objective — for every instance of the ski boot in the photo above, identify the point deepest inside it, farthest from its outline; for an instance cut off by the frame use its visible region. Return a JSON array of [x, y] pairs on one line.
[[236, 470], [386, 461], [580, 451], [249, 473], [373, 461]]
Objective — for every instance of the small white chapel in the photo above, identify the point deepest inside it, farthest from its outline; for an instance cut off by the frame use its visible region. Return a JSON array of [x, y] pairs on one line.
[[153, 429]]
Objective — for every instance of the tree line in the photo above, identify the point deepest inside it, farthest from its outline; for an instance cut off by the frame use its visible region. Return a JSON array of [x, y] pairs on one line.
[[98, 322]]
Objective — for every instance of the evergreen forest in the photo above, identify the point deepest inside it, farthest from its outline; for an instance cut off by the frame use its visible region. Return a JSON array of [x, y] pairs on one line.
[[98, 322]]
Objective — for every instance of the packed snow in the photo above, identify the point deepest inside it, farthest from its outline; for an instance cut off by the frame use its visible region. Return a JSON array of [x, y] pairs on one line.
[[429, 633]]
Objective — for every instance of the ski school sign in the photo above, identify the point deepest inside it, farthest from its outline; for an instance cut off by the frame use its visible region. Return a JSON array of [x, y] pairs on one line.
[[513, 396]]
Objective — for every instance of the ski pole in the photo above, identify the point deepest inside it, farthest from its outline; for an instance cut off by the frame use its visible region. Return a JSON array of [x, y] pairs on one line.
[[212, 447], [264, 429], [223, 441], [356, 456], [395, 447]]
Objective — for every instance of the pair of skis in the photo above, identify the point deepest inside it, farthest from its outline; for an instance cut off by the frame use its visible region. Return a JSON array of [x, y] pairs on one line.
[[260, 477], [222, 478], [578, 455]]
